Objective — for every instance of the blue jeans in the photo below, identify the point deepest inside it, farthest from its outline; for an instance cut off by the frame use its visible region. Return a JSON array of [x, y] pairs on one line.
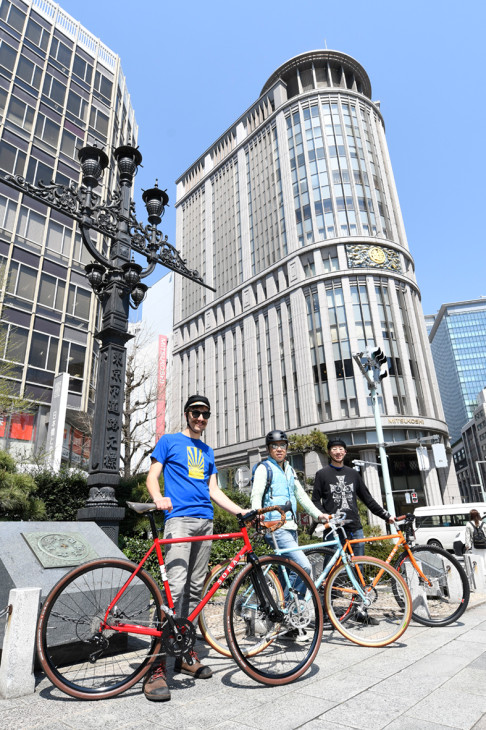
[[358, 547], [287, 539]]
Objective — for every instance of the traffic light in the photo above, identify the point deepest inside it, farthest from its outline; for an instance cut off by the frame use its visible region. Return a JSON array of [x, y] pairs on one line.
[[378, 359]]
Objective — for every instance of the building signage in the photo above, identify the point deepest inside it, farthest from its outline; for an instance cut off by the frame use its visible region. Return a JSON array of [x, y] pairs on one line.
[[407, 421]]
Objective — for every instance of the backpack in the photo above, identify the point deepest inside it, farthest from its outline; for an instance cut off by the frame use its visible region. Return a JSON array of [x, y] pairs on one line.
[[478, 537], [269, 477]]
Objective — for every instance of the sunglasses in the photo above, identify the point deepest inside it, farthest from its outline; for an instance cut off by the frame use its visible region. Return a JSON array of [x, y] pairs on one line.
[[204, 414], [275, 447]]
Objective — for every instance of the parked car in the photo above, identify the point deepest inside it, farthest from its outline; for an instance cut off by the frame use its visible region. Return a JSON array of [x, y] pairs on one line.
[[444, 524]]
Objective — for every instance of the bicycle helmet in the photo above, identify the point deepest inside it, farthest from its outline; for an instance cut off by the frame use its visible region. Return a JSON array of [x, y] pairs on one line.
[[273, 436]]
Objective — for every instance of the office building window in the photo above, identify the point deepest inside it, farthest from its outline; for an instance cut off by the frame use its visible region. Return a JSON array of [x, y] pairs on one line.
[[47, 130], [38, 35], [78, 302], [12, 159], [82, 69], [31, 225], [60, 52], [43, 351], [77, 105], [7, 213], [72, 359], [54, 89], [14, 341], [12, 15], [51, 291], [29, 72], [21, 280], [21, 114]]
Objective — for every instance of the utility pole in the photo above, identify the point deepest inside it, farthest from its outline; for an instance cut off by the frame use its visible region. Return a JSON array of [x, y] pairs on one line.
[[370, 363]]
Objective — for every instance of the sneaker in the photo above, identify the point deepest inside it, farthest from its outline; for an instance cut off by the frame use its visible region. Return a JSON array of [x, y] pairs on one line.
[[196, 669], [155, 686], [299, 636]]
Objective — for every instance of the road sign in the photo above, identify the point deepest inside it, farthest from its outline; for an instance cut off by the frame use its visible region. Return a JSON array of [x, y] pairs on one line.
[[242, 476], [440, 456], [422, 458], [414, 497]]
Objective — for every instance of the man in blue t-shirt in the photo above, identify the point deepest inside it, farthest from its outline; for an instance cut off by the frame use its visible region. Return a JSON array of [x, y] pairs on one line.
[[189, 485]]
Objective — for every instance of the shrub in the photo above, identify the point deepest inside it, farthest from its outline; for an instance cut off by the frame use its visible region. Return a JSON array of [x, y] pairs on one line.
[[18, 493], [63, 493]]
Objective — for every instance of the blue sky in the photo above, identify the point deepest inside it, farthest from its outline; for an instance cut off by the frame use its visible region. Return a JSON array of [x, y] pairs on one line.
[[193, 68]]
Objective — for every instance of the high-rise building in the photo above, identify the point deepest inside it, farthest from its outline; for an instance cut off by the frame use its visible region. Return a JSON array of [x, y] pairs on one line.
[[469, 454], [458, 342], [60, 88], [293, 216]]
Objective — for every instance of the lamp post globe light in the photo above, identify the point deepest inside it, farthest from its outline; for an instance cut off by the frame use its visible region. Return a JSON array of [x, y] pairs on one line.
[[116, 280]]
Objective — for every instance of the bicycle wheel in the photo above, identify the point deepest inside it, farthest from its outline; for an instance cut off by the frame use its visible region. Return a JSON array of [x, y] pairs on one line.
[[211, 618], [273, 644], [78, 658], [378, 618], [444, 598]]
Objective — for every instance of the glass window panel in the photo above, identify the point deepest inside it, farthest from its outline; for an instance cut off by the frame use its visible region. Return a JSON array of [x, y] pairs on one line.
[[38, 350], [17, 344], [26, 282]]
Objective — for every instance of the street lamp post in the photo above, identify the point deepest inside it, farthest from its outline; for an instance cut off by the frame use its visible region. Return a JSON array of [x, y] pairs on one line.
[[116, 280], [373, 363]]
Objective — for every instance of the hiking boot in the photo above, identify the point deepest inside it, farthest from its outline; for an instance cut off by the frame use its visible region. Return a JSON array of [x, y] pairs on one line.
[[155, 686], [196, 669]]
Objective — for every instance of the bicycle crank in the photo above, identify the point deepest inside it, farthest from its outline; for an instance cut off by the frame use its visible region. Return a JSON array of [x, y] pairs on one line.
[[178, 639]]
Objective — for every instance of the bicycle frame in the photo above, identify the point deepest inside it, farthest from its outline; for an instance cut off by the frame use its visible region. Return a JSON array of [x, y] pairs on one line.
[[168, 609], [401, 542], [339, 554]]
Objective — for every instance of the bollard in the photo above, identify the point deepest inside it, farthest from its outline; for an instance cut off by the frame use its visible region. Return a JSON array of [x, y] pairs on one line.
[[17, 666], [474, 571]]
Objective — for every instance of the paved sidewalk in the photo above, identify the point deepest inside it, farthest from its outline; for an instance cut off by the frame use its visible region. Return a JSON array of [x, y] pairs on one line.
[[433, 679]]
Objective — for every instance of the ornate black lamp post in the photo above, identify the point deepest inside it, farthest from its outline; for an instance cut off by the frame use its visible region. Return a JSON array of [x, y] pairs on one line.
[[116, 281]]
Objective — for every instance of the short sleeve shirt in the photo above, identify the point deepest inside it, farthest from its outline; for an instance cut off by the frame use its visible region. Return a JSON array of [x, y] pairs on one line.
[[187, 465]]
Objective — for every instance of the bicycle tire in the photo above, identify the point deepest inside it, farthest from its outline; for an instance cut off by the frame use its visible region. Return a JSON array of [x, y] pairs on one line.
[[265, 650], [381, 622], [448, 596], [68, 636], [211, 618]]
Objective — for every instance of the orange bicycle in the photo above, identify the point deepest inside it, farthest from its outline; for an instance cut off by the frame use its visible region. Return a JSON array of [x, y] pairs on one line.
[[437, 582]]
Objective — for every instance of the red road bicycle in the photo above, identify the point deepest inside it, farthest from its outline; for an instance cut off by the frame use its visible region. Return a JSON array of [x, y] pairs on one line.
[[103, 625]]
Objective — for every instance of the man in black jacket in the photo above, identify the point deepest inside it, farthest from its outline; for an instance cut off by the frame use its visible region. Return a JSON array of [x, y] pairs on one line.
[[337, 487]]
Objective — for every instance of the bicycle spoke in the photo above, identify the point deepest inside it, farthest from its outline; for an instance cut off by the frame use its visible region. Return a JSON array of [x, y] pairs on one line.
[[443, 596], [274, 642], [368, 603], [80, 655]]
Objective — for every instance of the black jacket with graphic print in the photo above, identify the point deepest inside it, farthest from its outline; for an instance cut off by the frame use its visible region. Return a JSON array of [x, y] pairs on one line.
[[338, 489]]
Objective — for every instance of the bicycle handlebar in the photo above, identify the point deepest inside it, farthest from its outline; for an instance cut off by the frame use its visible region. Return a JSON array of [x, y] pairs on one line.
[[143, 507], [271, 526]]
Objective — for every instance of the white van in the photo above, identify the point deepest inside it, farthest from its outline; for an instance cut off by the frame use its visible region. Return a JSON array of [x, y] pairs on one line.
[[443, 524]]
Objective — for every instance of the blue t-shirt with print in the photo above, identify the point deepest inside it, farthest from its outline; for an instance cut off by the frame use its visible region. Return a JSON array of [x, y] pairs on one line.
[[187, 464]]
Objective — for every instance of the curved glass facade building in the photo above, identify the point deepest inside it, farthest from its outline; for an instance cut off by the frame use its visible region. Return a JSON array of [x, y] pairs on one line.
[[293, 216]]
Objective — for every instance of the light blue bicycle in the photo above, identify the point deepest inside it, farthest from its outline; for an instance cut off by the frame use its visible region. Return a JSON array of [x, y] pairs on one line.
[[364, 598]]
